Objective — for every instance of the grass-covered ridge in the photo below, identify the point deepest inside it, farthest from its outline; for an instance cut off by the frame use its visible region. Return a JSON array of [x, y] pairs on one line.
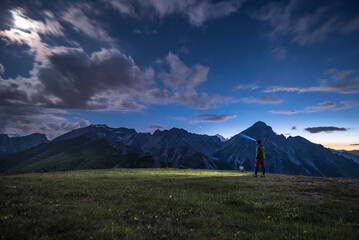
[[176, 204]]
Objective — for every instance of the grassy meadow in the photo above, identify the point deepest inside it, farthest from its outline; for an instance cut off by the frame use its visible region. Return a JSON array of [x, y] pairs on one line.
[[176, 204]]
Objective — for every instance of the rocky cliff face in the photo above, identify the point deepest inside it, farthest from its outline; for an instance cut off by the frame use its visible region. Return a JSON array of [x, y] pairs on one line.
[[9, 145]]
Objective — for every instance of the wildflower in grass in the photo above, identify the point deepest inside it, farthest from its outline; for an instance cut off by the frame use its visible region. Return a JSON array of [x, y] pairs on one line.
[[305, 231], [3, 218], [135, 218], [171, 196], [149, 226], [268, 217]]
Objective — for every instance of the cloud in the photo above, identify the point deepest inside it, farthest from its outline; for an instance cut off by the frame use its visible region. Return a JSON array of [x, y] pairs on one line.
[[183, 80], [2, 69], [197, 12], [347, 87], [321, 107], [179, 118], [124, 7], [51, 128], [354, 144], [279, 53], [294, 128], [342, 74], [104, 80], [251, 86], [330, 71], [290, 112], [262, 100], [206, 117], [76, 16], [206, 10], [324, 106], [347, 105], [154, 126], [324, 129], [181, 76], [351, 26], [304, 24]]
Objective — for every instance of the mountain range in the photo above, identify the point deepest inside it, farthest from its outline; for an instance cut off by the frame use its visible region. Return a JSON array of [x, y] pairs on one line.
[[99, 146]]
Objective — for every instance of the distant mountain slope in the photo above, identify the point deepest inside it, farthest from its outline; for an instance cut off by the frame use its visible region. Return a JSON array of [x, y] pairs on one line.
[[10, 145], [354, 152], [347, 154], [168, 148], [76, 153], [99, 146], [292, 155], [71, 154]]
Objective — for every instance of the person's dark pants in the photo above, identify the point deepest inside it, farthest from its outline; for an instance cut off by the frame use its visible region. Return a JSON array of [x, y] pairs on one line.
[[264, 170], [260, 163]]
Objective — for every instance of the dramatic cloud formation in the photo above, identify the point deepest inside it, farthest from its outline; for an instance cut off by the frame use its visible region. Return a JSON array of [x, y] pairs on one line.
[[2, 69], [66, 78], [262, 100], [304, 27], [324, 129], [205, 117], [104, 80]]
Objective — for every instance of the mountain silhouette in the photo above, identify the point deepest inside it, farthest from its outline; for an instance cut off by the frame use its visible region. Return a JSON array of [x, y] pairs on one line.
[[101, 146]]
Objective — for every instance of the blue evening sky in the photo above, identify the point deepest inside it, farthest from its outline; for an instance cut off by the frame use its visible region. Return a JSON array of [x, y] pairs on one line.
[[210, 67]]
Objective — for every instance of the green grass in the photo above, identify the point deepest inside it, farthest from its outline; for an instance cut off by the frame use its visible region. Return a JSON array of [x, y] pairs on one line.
[[176, 204]]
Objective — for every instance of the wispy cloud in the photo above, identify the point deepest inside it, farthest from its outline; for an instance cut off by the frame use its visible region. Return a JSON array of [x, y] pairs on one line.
[[197, 12], [179, 118], [287, 18], [262, 100], [2, 69], [76, 16], [251, 86], [279, 53], [154, 126], [324, 129], [323, 106], [206, 117], [342, 74], [284, 112], [347, 87], [354, 144]]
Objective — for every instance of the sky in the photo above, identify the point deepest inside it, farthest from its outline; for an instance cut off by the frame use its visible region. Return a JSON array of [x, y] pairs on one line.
[[209, 67]]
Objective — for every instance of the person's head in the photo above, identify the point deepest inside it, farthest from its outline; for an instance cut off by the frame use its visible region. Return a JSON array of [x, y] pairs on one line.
[[259, 141]]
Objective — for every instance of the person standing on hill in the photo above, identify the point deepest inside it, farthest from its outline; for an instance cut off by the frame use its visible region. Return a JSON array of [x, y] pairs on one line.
[[259, 158]]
